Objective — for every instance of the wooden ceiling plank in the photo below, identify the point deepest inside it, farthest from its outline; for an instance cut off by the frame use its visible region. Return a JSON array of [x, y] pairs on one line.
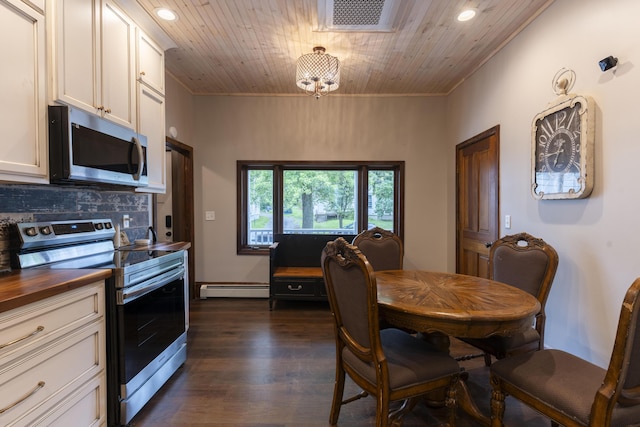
[[250, 46]]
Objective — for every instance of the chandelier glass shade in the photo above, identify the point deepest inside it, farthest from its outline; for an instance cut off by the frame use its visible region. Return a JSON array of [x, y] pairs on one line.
[[318, 73]]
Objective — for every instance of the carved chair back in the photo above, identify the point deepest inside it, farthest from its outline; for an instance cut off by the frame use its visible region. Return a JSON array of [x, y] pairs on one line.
[[383, 248], [528, 263]]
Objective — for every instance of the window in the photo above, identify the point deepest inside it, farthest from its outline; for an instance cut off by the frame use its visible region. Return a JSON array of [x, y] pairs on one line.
[[316, 197]]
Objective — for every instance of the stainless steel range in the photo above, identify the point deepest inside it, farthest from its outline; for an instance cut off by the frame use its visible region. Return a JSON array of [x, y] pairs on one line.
[[147, 308]]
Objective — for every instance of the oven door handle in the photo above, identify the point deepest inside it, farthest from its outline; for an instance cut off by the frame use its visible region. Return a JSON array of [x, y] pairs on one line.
[[129, 294], [150, 273]]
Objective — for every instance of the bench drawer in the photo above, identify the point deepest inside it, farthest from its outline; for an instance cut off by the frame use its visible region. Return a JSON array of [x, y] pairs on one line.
[[300, 288]]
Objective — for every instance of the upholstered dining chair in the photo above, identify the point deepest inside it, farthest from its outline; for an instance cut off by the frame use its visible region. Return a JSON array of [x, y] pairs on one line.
[[528, 263], [389, 364], [382, 248], [572, 391]]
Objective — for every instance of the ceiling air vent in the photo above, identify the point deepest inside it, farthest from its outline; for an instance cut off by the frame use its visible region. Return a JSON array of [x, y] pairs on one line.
[[357, 15]]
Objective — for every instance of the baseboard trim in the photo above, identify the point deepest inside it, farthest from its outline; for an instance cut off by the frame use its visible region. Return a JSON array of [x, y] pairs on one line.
[[234, 290]]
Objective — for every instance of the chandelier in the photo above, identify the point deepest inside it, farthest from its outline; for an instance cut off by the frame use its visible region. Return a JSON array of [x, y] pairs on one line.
[[318, 73]]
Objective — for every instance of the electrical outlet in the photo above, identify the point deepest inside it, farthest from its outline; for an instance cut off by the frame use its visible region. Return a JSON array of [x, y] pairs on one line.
[[210, 215], [507, 221], [125, 221]]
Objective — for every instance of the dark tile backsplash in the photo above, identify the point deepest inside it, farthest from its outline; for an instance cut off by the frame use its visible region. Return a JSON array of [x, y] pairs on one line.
[[31, 203]]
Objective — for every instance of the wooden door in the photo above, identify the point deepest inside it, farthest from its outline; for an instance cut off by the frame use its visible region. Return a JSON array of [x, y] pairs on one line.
[[477, 201]]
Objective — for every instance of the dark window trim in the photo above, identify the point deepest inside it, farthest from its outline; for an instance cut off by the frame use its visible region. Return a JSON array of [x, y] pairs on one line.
[[362, 167]]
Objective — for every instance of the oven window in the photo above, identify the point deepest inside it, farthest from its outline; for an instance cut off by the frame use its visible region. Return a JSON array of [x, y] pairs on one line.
[[150, 324]]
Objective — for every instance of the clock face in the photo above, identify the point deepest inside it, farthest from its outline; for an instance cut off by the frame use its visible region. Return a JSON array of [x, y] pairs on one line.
[[558, 139]]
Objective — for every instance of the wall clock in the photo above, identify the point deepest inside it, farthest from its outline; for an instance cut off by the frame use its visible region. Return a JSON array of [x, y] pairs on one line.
[[562, 138]]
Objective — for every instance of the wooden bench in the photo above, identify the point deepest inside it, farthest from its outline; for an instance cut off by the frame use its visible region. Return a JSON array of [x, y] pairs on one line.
[[294, 267]]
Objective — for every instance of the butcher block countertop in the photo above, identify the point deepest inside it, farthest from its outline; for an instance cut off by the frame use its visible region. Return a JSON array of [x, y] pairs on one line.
[[22, 287]]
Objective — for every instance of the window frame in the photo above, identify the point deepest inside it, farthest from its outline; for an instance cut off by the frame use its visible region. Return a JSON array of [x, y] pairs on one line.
[[278, 167]]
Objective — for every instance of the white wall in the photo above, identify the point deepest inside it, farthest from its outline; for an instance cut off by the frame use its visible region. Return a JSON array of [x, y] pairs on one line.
[[179, 110], [594, 237], [303, 128]]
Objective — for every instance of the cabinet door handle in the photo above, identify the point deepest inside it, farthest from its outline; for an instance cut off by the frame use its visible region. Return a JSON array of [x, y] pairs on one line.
[[23, 398], [297, 288], [37, 331]]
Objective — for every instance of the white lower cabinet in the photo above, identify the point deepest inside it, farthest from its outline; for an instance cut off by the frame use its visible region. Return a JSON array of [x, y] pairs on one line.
[[52, 361]]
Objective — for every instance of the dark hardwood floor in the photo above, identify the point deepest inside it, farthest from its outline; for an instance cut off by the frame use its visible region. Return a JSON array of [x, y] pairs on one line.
[[248, 366]]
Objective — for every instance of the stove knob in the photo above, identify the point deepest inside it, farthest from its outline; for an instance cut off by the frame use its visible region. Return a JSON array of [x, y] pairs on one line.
[[98, 226], [46, 230], [30, 231], [108, 225]]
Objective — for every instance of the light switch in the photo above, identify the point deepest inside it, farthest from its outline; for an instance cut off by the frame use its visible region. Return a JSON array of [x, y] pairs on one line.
[[507, 221], [210, 215]]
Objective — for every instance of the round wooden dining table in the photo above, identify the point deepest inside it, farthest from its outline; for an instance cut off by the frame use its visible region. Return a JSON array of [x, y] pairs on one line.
[[446, 304], [454, 304]]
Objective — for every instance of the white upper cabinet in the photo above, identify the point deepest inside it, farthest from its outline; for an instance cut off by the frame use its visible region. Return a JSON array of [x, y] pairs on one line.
[[23, 147], [75, 53], [93, 59], [151, 124], [151, 110], [118, 66], [150, 64], [36, 4]]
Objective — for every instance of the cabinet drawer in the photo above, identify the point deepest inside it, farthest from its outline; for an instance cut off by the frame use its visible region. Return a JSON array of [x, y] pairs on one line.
[[301, 288], [25, 328], [86, 407], [34, 384]]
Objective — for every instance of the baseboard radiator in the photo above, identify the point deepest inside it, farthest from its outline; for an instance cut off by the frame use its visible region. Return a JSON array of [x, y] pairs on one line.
[[233, 290]]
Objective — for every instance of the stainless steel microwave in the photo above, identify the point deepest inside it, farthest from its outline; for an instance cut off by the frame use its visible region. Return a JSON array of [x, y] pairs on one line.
[[87, 149]]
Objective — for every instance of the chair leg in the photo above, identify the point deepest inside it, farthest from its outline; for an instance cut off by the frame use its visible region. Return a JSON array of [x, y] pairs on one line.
[[356, 397], [382, 409], [338, 391], [487, 359], [451, 403], [497, 403]]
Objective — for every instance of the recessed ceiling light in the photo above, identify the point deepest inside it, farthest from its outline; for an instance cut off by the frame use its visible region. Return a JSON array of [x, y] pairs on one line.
[[466, 15], [166, 14]]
